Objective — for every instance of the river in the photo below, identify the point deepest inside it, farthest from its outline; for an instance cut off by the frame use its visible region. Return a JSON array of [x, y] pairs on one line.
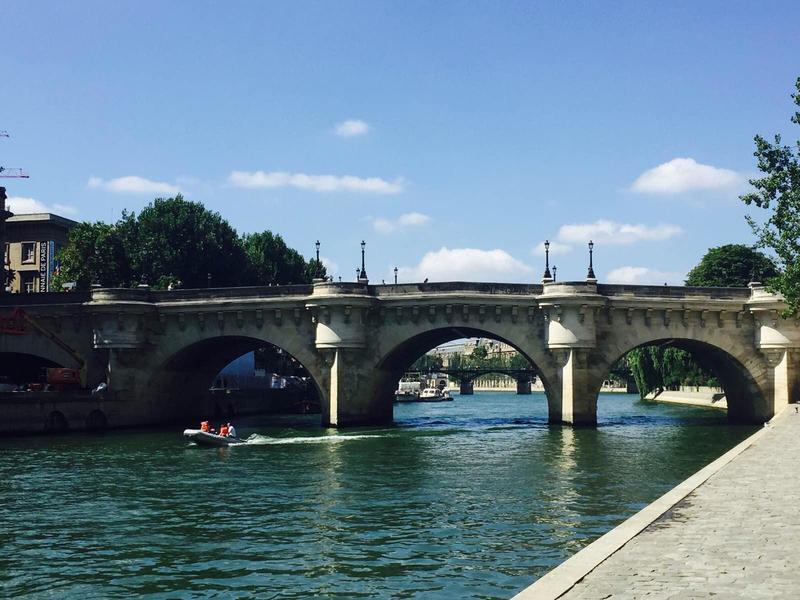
[[467, 499]]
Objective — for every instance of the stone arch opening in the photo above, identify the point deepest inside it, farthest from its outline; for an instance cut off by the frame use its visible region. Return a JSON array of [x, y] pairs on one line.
[[96, 421], [56, 422], [191, 382], [740, 380], [397, 361], [21, 368]]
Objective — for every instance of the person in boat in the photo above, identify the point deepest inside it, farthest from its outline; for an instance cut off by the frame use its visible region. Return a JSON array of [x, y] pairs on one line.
[[204, 426], [231, 431], [223, 430]]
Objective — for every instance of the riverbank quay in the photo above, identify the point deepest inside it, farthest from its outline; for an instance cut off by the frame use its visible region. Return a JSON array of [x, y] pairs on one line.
[[731, 529], [708, 397]]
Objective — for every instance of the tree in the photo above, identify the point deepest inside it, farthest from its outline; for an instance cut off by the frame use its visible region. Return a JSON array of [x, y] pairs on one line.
[[779, 192], [271, 261], [95, 253], [175, 239], [733, 265]]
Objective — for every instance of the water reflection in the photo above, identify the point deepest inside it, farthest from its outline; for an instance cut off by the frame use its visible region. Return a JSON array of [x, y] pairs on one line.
[[472, 499]]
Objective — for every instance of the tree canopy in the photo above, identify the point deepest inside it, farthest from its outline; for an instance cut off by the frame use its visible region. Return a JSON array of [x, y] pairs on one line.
[[177, 241], [778, 192], [733, 265]]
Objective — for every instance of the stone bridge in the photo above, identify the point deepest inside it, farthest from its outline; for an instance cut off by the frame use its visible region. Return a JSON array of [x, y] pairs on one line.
[[159, 351]]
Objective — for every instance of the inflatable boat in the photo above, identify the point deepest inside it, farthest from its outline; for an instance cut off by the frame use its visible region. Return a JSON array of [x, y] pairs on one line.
[[204, 438]]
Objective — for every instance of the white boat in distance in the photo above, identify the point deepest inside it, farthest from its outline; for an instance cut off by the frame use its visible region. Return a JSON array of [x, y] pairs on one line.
[[434, 394], [204, 438]]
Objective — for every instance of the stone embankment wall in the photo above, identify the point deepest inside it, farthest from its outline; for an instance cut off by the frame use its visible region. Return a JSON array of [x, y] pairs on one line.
[[693, 396]]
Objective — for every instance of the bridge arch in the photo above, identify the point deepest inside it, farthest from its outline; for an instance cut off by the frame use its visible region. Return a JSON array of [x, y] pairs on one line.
[[184, 373], [399, 351], [743, 375]]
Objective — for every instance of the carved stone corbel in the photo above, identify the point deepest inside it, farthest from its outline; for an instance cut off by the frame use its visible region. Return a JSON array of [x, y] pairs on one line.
[[220, 319], [259, 318], [239, 319], [514, 313], [667, 316], [278, 316], [498, 313], [629, 316], [201, 320]]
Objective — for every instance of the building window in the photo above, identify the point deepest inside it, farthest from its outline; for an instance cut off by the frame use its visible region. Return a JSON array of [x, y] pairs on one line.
[[29, 283], [28, 253]]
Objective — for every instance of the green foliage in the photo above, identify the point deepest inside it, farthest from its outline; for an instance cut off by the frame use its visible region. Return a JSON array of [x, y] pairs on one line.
[[427, 362], [95, 253], [659, 368], [779, 193], [733, 265], [271, 261], [185, 240], [178, 242]]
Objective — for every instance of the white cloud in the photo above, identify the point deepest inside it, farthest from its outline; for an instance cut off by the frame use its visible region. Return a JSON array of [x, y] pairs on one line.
[[330, 266], [316, 183], [412, 219], [467, 264], [685, 174], [643, 275], [556, 248], [351, 128], [133, 184], [611, 232], [21, 205]]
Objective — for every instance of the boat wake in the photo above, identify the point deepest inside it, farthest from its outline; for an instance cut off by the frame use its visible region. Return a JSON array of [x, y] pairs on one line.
[[264, 440]]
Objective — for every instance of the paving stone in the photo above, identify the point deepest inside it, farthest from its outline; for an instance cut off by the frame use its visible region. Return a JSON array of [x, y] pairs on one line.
[[733, 537]]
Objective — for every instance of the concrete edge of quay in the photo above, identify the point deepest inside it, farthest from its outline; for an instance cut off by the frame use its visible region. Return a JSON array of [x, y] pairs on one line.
[[562, 578]]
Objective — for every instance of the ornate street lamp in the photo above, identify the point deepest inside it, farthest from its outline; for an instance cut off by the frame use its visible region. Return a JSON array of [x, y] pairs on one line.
[[395, 275], [547, 276], [363, 274], [555, 268], [316, 270], [590, 275]]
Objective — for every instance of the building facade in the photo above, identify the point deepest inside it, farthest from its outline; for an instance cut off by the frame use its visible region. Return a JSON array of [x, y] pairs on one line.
[[31, 243]]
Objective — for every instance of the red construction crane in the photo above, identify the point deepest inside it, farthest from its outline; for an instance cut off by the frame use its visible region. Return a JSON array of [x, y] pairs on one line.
[[7, 172]]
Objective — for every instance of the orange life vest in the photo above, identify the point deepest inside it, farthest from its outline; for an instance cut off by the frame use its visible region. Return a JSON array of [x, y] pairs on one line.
[[223, 430], [204, 426]]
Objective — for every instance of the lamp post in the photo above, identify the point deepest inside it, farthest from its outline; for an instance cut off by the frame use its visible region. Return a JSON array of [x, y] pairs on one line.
[[547, 276], [363, 274], [590, 276], [555, 268], [395, 275], [316, 270]]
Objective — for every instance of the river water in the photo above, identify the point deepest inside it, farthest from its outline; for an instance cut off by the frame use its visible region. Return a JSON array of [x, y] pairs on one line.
[[467, 499]]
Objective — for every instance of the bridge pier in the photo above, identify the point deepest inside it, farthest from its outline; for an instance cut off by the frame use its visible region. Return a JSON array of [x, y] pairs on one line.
[[576, 403], [466, 388], [523, 386]]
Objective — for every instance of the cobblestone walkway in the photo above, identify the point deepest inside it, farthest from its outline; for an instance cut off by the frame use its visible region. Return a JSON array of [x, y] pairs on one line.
[[736, 536]]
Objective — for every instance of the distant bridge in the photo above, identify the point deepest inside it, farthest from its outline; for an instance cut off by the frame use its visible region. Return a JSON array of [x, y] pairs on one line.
[[466, 377], [159, 351]]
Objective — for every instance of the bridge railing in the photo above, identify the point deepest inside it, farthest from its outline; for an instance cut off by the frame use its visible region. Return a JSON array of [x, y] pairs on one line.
[[521, 289], [45, 298], [673, 291]]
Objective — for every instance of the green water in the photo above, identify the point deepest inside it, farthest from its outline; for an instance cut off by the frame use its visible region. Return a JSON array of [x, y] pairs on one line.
[[468, 499]]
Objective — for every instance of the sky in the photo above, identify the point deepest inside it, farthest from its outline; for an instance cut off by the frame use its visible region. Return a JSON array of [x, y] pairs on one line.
[[453, 137]]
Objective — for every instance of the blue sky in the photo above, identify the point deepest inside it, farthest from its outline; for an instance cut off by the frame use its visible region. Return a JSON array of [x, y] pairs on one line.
[[452, 137]]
